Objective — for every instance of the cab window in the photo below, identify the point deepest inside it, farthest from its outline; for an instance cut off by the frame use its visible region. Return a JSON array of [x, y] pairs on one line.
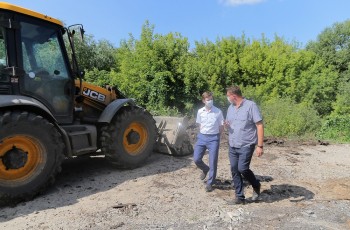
[[46, 75]]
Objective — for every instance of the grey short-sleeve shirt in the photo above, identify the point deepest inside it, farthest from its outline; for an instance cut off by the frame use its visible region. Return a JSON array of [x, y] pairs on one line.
[[242, 120]]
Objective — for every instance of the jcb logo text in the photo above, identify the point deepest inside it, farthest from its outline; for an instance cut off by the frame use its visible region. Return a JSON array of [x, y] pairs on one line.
[[94, 95]]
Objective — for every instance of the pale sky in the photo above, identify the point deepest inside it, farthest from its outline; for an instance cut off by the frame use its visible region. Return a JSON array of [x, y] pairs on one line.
[[198, 20]]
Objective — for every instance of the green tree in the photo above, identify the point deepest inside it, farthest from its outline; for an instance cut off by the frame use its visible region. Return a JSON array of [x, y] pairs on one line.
[[333, 45], [98, 77], [278, 69], [150, 69], [341, 106], [213, 66], [94, 55]]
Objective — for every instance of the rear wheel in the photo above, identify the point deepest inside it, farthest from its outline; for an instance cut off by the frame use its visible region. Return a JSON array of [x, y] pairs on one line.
[[129, 139], [31, 152]]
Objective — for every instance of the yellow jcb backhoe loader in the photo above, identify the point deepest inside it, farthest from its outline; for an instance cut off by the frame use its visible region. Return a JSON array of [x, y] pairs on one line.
[[48, 113]]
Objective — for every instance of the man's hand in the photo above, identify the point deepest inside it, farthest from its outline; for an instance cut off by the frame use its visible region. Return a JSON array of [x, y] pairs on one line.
[[259, 151], [226, 123]]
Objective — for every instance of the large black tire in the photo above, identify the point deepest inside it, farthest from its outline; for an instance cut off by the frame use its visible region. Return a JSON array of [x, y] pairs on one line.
[[129, 139], [31, 153]]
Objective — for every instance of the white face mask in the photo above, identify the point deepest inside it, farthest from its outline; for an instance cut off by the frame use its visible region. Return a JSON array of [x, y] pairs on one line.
[[209, 104], [229, 101]]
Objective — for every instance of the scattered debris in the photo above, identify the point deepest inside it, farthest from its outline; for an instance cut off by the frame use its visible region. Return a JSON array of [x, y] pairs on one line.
[[127, 205], [275, 141], [323, 142], [118, 225]]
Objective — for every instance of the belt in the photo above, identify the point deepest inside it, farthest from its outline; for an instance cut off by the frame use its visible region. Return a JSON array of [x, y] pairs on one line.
[[210, 134]]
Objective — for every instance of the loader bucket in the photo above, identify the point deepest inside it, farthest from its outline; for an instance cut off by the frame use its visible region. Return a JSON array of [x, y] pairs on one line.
[[172, 136]]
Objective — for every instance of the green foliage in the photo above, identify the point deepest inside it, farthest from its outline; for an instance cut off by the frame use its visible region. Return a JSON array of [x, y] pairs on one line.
[[267, 69], [255, 94], [295, 87], [333, 45], [336, 128], [98, 77], [150, 70], [94, 55], [342, 104], [213, 66], [164, 111], [317, 88], [285, 118], [221, 102]]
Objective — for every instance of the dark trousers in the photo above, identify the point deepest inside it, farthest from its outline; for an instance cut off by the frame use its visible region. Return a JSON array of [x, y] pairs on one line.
[[240, 160], [210, 142]]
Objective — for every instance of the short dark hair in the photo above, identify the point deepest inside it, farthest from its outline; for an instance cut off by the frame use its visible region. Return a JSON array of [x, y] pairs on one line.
[[206, 94], [234, 90]]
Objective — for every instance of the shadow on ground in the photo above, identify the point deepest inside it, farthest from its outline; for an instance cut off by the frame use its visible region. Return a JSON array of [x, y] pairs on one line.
[[275, 193], [225, 184], [84, 176], [286, 191]]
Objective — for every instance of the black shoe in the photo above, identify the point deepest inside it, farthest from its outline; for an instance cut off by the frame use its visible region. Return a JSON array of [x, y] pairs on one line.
[[236, 201], [203, 175], [256, 193], [208, 188]]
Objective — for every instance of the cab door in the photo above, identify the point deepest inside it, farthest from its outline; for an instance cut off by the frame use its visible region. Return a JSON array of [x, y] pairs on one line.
[[43, 58]]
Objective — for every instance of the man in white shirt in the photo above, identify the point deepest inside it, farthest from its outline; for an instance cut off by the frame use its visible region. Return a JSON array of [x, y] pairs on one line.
[[211, 121]]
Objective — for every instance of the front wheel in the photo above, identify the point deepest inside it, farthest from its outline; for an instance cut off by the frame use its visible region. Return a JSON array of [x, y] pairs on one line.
[[129, 139], [31, 152]]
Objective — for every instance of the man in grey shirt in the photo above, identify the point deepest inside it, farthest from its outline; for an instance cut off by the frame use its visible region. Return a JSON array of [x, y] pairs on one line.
[[246, 134]]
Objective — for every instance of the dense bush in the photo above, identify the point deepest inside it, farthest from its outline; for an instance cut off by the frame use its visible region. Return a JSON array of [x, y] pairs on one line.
[[98, 77], [336, 128], [342, 104], [284, 118]]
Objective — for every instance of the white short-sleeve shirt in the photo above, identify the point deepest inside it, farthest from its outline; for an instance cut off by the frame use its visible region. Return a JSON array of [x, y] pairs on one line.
[[210, 120]]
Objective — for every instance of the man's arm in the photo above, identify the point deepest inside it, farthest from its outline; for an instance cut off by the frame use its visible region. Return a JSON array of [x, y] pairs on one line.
[[221, 129], [221, 123], [198, 119], [260, 129]]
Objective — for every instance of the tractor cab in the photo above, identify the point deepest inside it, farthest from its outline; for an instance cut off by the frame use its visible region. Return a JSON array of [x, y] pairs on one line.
[[34, 62]]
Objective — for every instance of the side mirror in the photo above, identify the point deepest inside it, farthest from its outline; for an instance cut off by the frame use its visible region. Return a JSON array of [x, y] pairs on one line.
[[82, 31], [72, 30]]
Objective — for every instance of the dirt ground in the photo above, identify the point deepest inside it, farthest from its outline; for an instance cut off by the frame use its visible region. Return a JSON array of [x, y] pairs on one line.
[[304, 186]]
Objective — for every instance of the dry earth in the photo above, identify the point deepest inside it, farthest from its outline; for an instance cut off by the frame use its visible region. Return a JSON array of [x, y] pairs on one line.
[[304, 186]]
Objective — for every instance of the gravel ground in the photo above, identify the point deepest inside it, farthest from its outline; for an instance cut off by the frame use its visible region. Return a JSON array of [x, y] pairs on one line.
[[304, 186]]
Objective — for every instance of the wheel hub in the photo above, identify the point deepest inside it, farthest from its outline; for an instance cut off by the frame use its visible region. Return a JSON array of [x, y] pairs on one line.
[[14, 158], [133, 137]]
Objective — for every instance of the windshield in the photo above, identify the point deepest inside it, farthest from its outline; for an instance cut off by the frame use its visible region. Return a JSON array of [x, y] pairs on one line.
[[41, 50], [47, 75]]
